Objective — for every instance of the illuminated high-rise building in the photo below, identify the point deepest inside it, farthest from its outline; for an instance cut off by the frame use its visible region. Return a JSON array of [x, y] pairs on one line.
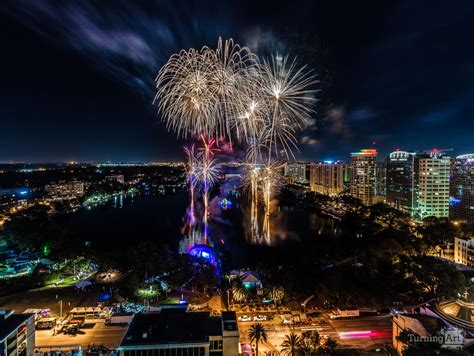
[[363, 175], [327, 177], [399, 181], [296, 172], [461, 191], [431, 181]]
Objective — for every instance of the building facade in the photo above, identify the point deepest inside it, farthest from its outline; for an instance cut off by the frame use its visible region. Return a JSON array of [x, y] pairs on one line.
[[295, 172], [327, 177], [461, 190], [17, 333], [116, 178], [464, 251], [363, 175], [431, 182], [64, 189], [399, 182], [174, 332]]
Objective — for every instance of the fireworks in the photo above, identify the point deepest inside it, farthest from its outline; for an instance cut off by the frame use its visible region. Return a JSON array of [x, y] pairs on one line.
[[229, 92]]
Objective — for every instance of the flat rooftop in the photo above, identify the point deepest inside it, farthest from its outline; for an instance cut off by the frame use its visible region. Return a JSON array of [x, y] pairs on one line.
[[171, 327]]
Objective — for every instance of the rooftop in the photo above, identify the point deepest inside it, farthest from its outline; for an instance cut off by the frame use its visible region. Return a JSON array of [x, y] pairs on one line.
[[12, 322], [171, 327]]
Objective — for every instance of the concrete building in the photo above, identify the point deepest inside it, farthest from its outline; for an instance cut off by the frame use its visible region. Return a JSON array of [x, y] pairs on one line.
[[464, 251], [177, 332], [399, 181], [64, 189], [431, 182], [461, 189], [363, 175], [295, 172], [17, 333], [327, 177]]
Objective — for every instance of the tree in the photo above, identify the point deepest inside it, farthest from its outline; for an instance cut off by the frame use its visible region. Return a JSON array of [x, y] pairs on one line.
[[306, 346], [315, 338], [290, 344], [256, 333], [330, 344], [276, 294], [239, 294]]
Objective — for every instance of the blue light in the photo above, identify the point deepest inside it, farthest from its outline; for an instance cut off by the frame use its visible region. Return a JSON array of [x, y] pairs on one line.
[[454, 201], [23, 192]]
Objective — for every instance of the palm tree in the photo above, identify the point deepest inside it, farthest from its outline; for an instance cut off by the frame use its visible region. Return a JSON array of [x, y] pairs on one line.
[[291, 343], [256, 333], [276, 294], [239, 294]]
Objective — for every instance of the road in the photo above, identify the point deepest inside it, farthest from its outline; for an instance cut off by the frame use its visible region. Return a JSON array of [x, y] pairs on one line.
[[98, 334], [358, 332]]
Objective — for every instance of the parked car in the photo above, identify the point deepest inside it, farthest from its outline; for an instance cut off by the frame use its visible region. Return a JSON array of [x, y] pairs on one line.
[[259, 318], [244, 318], [70, 329]]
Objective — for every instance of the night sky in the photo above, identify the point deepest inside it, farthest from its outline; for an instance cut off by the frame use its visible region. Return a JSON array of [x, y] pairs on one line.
[[77, 77]]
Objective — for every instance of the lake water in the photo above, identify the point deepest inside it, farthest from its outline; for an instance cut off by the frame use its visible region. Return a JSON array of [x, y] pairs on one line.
[[241, 230]]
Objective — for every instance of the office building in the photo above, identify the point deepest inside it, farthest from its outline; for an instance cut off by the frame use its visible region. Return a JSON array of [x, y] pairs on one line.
[[399, 181], [295, 172], [179, 333], [431, 180], [17, 333], [327, 177], [363, 175], [64, 189], [461, 190]]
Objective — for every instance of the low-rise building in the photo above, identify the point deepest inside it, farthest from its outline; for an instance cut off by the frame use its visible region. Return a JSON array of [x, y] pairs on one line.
[[62, 189], [116, 178], [17, 333], [174, 331], [464, 251]]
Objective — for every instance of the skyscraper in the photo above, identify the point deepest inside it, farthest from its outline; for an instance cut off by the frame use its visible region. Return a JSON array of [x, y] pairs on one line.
[[363, 175], [399, 182], [431, 182], [327, 177], [461, 190]]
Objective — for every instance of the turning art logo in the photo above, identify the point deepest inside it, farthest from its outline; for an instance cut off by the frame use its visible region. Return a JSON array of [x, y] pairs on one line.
[[448, 338]]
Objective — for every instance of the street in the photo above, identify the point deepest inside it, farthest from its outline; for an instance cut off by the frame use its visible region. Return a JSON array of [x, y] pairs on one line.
[[358, 332]]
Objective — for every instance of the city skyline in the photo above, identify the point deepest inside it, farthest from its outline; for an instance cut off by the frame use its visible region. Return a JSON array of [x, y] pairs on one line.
[[91, 81]]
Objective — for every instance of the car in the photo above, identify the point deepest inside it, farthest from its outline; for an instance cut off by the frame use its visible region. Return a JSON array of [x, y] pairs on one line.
[[70, 329], [244, 318], [286, 322], [259, 318]]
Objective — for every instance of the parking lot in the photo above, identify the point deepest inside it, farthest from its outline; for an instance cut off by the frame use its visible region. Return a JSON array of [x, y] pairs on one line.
[[95, 332]]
